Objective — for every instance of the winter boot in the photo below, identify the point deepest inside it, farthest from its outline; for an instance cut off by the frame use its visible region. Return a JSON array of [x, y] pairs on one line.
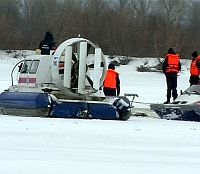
[[167, 102]]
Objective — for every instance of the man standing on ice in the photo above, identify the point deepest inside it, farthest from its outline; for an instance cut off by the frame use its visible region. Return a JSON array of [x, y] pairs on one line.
[[111, 82], [171, 66]]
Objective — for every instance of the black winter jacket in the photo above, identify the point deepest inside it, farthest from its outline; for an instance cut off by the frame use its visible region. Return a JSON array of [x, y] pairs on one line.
[[47, 44]]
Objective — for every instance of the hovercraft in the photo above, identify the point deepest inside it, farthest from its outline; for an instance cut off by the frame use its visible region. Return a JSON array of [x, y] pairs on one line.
[[186, 107], [67, 84]]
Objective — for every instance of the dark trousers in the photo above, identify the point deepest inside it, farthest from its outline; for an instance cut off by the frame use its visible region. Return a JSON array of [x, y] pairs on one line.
[[109, 91], [171, 79], [194, 79]]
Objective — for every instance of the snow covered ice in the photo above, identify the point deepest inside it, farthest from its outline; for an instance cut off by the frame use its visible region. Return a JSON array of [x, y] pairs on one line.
[[140, 145]]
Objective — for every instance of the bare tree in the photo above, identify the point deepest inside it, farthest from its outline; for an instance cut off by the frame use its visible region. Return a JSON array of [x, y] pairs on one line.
[[193, 34], [174, 13], [124, 27], [9, 18]]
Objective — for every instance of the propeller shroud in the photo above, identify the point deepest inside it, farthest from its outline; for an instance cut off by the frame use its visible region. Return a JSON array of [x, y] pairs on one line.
[[79, 68]]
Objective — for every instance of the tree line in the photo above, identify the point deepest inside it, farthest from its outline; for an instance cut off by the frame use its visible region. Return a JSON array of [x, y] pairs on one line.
[[141, 28]]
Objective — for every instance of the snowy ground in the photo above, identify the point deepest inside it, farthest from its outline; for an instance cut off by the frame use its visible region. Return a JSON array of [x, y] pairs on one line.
[[141, 145]]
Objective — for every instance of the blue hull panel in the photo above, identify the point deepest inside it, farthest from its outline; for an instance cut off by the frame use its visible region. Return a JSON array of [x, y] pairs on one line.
[[81, 109], [189, 116], [39, 104], [24, 104], [28, 100], [177, 114]]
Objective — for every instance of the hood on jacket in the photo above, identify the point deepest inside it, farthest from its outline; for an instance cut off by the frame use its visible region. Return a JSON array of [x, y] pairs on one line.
[[48, 36]]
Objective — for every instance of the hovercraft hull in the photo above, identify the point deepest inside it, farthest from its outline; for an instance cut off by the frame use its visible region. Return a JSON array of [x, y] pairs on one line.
[[43, 105], [190, 112], [24, 104], [186, 107]]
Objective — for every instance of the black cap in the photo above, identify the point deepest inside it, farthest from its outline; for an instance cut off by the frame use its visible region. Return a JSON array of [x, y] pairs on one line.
[[194, 54], [171, 50], [111, 66]]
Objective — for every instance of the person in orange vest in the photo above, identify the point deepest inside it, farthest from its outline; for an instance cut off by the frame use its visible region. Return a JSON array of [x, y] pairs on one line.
[[194, 69], [111, 81], [171, 66]]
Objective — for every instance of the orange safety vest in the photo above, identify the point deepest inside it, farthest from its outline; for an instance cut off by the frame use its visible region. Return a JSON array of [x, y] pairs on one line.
[[110, 79], [193, 68], [173, 63]]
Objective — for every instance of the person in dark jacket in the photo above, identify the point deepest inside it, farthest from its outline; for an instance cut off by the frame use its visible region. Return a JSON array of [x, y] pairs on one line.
[[194, 69], [171, 66], [111, 81], [47, 44]]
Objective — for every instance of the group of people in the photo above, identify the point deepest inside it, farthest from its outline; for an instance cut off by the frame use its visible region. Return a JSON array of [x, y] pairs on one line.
[[171, 66]]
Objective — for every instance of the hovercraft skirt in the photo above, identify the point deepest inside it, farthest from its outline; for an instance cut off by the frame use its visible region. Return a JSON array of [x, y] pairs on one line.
[[24, 104]]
